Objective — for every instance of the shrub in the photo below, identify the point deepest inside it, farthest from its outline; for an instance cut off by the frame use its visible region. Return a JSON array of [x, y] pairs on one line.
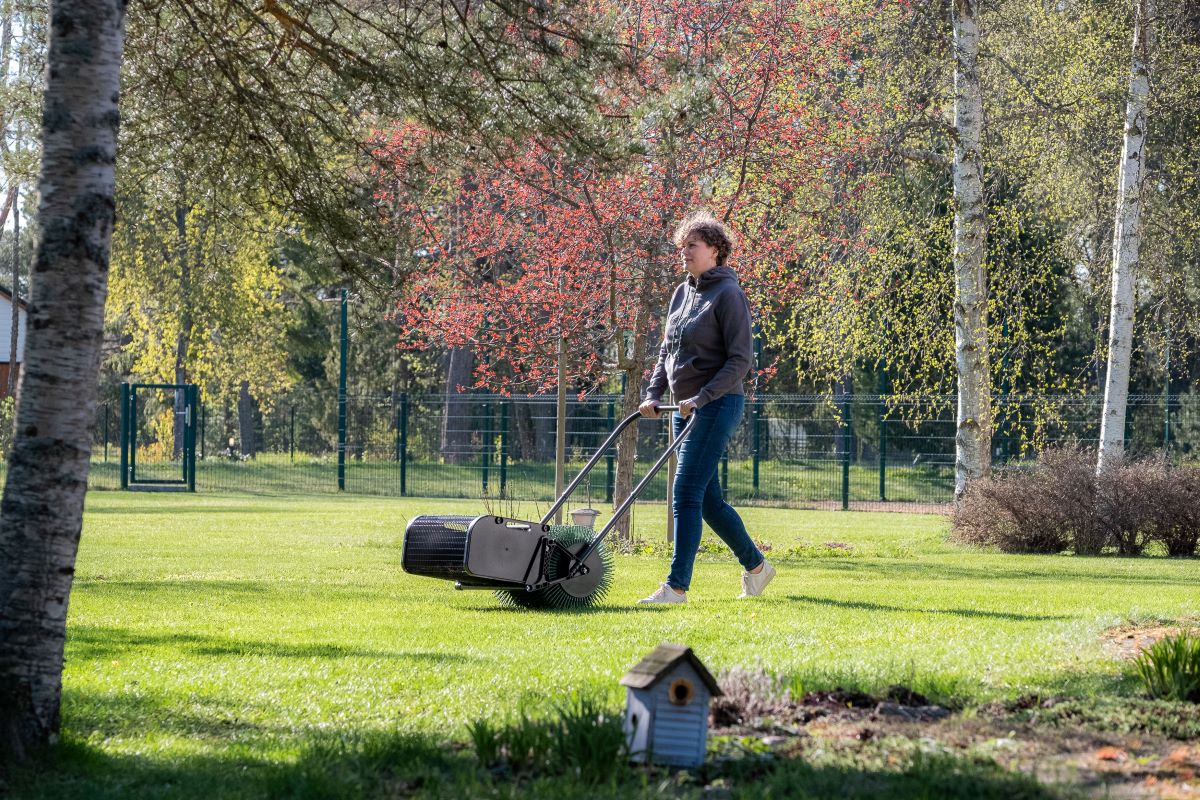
[[1126, 495], [1175, 512], [1060, 502], [1041, 509], [1170, 668]]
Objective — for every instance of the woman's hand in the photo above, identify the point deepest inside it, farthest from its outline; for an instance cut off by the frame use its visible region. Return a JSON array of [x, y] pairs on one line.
[[686, 408], [649, 408]]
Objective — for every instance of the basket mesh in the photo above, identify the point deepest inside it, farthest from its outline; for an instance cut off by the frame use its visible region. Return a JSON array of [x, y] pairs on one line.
[[436, 546]]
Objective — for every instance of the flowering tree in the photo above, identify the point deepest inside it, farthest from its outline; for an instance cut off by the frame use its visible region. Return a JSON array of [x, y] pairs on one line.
[[532, 255]]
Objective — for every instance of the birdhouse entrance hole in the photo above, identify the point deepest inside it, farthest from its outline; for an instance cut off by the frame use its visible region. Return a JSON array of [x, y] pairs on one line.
[[681, 692]]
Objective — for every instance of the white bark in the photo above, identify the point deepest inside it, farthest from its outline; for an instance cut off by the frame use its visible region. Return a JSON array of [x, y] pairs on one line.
[[42, 510], [1126, 242], [973, 433], [15, 328]]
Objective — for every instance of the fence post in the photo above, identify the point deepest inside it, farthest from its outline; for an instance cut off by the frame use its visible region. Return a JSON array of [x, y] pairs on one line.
[[203, 427], [292, 435], [192, 395], [132, 431], [124, 435], [882, 434], [485, 456], [1167, 399], [846, 434], [341, 420], [610, 470], [504, 418], [106, 411], [756, 438], [403, 443]]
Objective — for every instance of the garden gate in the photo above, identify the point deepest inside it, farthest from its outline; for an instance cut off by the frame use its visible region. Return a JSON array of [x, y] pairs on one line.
[[158, 436]]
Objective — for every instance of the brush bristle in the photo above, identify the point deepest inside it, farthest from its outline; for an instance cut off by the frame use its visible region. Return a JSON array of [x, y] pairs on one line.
[[555, 596]]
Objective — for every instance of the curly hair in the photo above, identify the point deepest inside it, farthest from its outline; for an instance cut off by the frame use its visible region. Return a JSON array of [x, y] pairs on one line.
[[710, 230]]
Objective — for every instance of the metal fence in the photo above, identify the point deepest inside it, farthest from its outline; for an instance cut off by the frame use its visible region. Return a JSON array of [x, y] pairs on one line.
[[790, 450]]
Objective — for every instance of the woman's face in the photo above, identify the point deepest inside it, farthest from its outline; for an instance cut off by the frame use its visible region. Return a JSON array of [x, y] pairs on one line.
[[698, 256]]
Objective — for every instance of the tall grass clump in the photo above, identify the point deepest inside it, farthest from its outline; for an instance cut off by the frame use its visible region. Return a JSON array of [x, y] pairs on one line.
[[1060, 503], [582, 737], [1170, 668]]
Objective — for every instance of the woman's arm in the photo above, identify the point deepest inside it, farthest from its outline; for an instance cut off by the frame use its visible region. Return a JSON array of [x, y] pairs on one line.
[[733, 316], [658, 378]]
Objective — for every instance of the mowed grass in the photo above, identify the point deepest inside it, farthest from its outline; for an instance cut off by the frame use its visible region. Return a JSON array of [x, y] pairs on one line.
[[229, 630]]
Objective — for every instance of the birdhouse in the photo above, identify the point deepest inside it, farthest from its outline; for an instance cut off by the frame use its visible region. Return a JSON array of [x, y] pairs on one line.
[[666, 707]]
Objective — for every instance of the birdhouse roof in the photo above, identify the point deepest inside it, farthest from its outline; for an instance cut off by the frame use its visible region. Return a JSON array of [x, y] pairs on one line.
[[662, 660]]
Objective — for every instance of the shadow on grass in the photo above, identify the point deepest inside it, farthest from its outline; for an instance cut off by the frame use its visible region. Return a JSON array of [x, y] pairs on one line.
[[500, 608], [958, 612], [130, 715], [173, 510], [96, 642], [344, 764], [995, 572], [302, 588]]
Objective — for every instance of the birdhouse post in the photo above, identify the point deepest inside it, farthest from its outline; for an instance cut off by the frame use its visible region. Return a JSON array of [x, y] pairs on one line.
[[666, 707]]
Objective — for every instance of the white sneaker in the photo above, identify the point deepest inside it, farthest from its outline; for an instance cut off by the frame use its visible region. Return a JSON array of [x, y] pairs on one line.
[[753, 583], [664, 594]]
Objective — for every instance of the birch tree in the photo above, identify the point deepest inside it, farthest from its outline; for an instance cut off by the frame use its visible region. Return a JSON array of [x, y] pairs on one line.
[[41, 513], [973, 432], [1126, 241]]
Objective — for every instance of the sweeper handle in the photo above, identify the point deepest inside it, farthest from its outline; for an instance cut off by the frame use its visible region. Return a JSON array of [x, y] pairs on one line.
[[637, 490], [600, 451]]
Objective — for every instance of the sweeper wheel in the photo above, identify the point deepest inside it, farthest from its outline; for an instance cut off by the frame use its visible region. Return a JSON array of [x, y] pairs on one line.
[[583, 591]]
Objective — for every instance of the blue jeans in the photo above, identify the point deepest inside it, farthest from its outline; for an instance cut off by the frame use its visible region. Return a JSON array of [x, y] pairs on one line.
[[697, 490]]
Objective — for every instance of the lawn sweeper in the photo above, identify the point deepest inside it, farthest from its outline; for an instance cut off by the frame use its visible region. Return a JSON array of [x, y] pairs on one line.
[[527, 564]]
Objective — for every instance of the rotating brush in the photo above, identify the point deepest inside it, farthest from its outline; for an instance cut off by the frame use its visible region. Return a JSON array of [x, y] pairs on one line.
[[584, 591]]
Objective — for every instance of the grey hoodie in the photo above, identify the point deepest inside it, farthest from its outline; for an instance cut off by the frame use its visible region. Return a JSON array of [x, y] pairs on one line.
[[707, 346]]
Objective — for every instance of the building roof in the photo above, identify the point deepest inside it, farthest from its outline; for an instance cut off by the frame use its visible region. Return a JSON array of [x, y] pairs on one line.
[[6, 293], [661, 661]]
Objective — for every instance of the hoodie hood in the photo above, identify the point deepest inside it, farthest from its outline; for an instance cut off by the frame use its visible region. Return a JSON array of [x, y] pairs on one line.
[[712, 277]]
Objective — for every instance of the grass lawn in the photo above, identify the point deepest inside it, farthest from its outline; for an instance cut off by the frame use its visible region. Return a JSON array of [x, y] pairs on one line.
[[217, 644]]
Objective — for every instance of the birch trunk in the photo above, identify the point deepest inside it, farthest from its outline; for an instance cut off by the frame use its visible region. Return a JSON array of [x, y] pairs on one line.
[[14, 353], [973, 433], [42, 510], [1126, 241]]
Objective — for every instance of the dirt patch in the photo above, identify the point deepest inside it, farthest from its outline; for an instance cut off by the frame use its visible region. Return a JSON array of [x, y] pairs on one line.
[[1127, 641], [1022, 736]]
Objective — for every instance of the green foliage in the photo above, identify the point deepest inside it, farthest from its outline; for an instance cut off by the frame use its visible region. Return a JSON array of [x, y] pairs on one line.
[[1170, 668], [581, 738], [589, 738], [8, 410], [1120, 715], [196, 287]]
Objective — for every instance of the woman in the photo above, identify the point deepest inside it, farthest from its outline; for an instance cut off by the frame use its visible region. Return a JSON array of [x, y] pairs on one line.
[[705, 355]]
